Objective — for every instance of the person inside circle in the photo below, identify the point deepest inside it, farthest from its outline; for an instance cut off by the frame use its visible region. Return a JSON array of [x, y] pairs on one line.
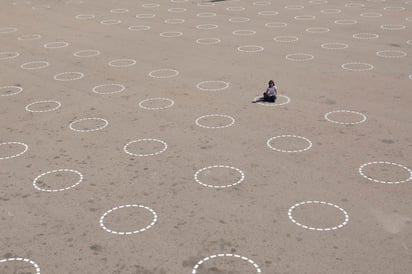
[[270, 94]]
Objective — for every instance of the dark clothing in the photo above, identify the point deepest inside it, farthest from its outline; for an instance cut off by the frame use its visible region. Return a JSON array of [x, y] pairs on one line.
[[269, 98]]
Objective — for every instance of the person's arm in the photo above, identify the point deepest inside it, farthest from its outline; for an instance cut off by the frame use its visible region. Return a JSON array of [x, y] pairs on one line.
[[276, 91]]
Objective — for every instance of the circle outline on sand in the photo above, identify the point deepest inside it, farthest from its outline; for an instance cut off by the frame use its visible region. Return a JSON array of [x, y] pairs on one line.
[[170, 34], [110, 22], [354, 5], [309, 57], [145, 154], [177, 10], [372, 35], [20, 89], [369, 66], [276, 25], [268, 12], [208, 41], [138, 27], [6, 30], [286, 39], [345, 22], [239, 19], [235, 8], [317, 30], [128, 232], [244, 48], [26, 147], [122, 88], [212, 89], [371, 14], [215, 115], [85, 16], [145, 15], [275, 104], [385, 182], [207, 26], [262, 3], [106, 123], [393, 27], [158, 98], [27, 108], [340, 46], [29, 37], [54, 171], [14, 55], [175, 73], [56, 77], [242, 176], [45, 65], [119, 10], [33, 263], [294, 7], [206, 14], [289, 136], [174, 21], [243, 32], [382, 53], [326, 116], [80, 55], [58, 45], [305, 17], [345, 222], [132, 62], [394, 8], [150, 5], [255, 265], [331, 11]]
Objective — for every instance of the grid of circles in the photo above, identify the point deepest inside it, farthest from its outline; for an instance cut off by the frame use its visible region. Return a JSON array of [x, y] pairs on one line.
[[242, 176], [385, 182], [71, 125], [199, 263], [58, 105], [289, 136], [345, 222], [125, 147], [55, 171], [104, 227], [33, 263], [197, 122], [26, 147], [345, 111]]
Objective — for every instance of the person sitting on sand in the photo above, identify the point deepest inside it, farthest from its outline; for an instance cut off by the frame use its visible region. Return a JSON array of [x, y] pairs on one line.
[[270, 94]]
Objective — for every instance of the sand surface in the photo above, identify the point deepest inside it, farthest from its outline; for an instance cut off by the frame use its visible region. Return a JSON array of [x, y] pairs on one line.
[[98, 175]]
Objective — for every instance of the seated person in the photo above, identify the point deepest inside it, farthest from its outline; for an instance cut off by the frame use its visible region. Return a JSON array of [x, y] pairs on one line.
[[270, 94]]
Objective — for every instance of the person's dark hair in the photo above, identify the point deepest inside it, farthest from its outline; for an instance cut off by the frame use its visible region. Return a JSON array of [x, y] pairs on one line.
[[271, 82]]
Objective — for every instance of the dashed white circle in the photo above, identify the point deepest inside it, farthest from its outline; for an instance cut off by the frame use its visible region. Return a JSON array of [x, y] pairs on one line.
[[35, 65], [232, 121], [118, 88], [262, 3], [207, 26], [334, 46], [354, 5], [235, 8], [276, 25], [394, 8], [86, 53], [250, 48], [208, 41], [150, 5], [6, 30], [26, 147], [317, 30], [318, 2], [34, 264], [357, 66], [363, 117], [286, 39], [371, 14], [268, 12], [345, 22], [242, 176], [294, 7], [289, 136], [164, 73], [239, 19], [145, 15], [85, 16], [270, 104], [299, 57], [63, 76], [208, 4], [122, 63], [345, 221], [58, 105], [29, 37], [385, 182], [55, 45], [170, 34], [365, 35], [393, 27], [110, 22], [4, 55], [55, 171], [176, 10], [206, 14], [125, 148], [71, 125], [174, 21], [225, 85], [331, 11], [305, 17], [391, 53], [171, 103], [138, 27], [119, 10], [244, 32], [128, 232], [198, 264], [7, 88]]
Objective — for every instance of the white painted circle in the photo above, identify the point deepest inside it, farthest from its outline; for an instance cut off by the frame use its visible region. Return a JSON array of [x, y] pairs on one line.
[[345, 22], [385, 182], [334, 46], [299, 57], [119, 87], [119, 10], [4, 55], [174, 21], [86, 53], [145, 15], [363, 117], [36, 266], [365, 35], [55, 45], [268, 12], [6, 30], [128, 232], [239, 19], [286, 39], [145, 154], [85, 16], [17, 88], [393, 27], [331, 11], [354, 5], [207, 26], [289, 136], [110, 22], [208, 41], [138, 27], [391, 53], [122, 63], [176, 10], [170, 34], [206, 4], [235, 8], [35, 65], [198, 264], [250, 48], [55, 171], [318, 2], [179, 1], [150, 5], [171, 103], [294, 7], [317, 30], [305, 17], [244, 32], [225, 85], [26, 147], [71, 125], [164, 73], [357, 66], [29, 37], [41, 7], [276, 25], [76, 76], [371, 14], [394, 8], [270, 104], [232, 121], [219, 166], [345, 222], [58, 105], [262, 3], [206, 14]]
